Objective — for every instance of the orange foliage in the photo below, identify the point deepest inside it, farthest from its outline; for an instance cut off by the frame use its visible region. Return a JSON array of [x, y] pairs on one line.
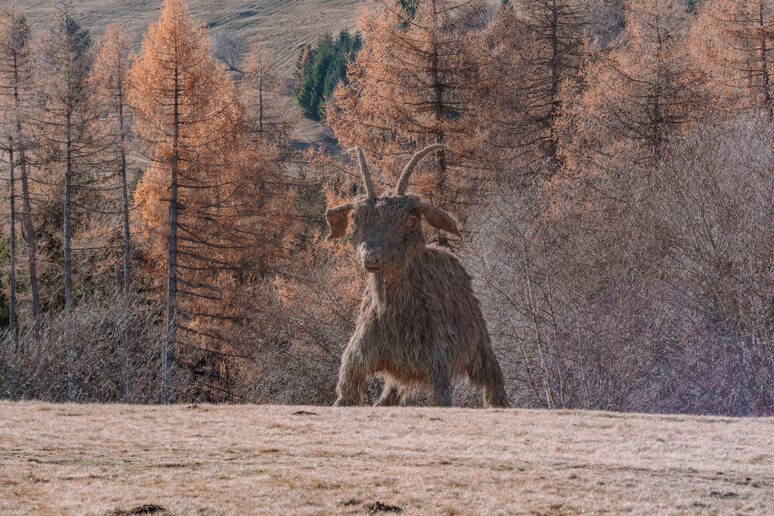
[[408, 87], [735, 40], [232, 208]]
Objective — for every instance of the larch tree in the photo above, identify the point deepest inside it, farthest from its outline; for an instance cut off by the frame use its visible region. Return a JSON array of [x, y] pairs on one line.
[[65, 119], [109, 80], [218, 231], [640, 93], [736, 40], [639, 98], [266, 110], [557, 30], [9, 33], [522, 58], [409, 86], [16, 94]]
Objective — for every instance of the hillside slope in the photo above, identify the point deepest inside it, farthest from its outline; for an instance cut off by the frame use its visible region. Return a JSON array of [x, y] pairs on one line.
[[285, 25], [111, 459]]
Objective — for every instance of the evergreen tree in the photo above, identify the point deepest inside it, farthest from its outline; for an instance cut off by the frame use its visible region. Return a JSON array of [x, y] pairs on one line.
[[321, 69]]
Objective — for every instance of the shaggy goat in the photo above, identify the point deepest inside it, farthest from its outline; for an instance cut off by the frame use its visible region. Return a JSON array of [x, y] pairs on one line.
[[420, 324]]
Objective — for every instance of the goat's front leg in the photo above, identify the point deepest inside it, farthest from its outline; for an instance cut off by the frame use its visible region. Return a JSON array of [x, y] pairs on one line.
[[357, 363], [352, 376], [441, 380]]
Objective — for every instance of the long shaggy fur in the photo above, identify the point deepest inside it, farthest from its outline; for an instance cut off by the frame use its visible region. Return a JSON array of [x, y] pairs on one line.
[[420, 325]]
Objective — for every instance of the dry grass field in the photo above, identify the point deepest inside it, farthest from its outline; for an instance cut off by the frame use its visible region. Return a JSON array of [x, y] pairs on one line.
[[284, 25], [203, 459]]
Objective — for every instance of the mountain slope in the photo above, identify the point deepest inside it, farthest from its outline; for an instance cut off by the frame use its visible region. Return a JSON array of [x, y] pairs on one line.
[[285, 25]]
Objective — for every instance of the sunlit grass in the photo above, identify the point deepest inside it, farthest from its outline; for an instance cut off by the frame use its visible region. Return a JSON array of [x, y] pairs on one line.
[[94, 459]]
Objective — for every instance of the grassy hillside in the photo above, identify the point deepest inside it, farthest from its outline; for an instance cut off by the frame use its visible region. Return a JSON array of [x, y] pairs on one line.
[[112, 459], [285, 25]]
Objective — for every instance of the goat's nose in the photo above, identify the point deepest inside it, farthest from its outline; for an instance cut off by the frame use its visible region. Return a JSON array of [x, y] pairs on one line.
[[372, 261]]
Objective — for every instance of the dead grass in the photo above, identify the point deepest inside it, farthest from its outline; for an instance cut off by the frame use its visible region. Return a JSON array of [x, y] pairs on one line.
[[284, 25], [118, 459]]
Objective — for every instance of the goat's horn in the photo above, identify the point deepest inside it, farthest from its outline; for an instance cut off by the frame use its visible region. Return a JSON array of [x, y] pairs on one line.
[[404, 177], [366, 172]]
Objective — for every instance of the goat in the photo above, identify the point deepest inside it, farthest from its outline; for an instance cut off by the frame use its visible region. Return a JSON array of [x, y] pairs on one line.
[[420, 325]]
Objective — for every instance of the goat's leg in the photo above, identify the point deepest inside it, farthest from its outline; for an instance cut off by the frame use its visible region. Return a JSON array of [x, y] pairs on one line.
[[391, 395], [488, 376], [441, 381], [352, 376]]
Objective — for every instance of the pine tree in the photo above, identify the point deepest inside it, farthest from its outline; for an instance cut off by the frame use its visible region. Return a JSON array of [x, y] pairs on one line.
[[321, 69]]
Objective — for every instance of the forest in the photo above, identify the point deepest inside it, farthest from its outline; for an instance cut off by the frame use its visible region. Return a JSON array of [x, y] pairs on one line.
[[610, 163]]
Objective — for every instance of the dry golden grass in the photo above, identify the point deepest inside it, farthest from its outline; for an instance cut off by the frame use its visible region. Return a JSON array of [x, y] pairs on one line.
[[284, 25], [106, 459]]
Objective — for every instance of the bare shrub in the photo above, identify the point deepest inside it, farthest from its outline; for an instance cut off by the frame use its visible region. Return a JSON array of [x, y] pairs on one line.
[[717, 198], [42, 366], [530, 278], [297, 336], [664, 307], [229, 48], [656, 348]]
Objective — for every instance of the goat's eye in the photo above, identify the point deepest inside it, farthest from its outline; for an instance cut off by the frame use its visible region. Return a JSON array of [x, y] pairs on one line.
[[413, 222]]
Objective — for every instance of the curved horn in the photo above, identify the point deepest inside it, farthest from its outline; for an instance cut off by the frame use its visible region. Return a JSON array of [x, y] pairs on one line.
[[404, 177], [366, 172]]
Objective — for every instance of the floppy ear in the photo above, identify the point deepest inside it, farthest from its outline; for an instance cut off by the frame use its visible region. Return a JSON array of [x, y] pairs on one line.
[[338, 220], [438, 218]]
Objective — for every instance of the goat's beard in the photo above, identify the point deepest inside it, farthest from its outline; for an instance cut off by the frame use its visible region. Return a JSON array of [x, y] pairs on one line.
[[380, 290]]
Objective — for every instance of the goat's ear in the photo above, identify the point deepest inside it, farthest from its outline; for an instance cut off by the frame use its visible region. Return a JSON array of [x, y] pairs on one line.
[[438, 218], [338, 220]]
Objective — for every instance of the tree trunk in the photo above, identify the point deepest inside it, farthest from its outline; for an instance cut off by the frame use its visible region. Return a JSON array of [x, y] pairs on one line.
[[171, 333], [555, 82], [12, 282], [764, 64], [127, 378], [438, 109], [260, 102], [68, 261], [438, 106], [30, 233]]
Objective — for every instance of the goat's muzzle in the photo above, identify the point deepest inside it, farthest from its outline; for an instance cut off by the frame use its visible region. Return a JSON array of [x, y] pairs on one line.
[[373, 265], [372, 260]]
